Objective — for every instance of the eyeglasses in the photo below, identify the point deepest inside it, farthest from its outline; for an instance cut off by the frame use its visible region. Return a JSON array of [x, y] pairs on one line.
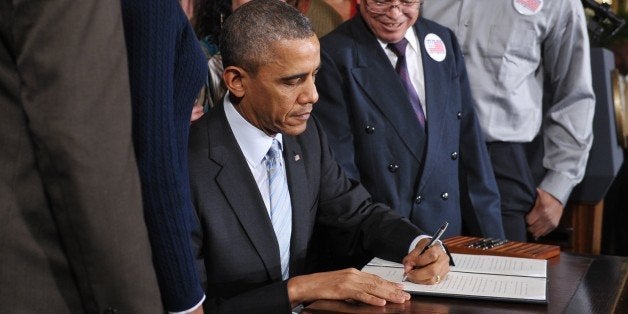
[[383, 6]]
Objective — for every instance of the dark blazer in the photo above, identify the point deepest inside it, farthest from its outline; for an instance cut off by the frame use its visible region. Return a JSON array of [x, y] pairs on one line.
[[243, 270], [442, 173], [73, 238]]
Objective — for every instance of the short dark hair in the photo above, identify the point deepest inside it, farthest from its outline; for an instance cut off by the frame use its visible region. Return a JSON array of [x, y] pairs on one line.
[[250, 31]]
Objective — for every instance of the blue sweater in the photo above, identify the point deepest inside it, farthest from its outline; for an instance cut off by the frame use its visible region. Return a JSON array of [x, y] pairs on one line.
[[166, 70]]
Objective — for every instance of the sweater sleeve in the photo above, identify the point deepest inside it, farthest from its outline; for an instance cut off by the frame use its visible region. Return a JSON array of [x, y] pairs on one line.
[[155, 32]]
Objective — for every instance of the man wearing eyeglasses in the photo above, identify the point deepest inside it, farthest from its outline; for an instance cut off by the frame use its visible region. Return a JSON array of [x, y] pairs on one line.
[[401, 120]]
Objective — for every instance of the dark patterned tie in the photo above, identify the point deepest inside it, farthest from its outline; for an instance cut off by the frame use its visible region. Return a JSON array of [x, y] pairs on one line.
[[402, 69]]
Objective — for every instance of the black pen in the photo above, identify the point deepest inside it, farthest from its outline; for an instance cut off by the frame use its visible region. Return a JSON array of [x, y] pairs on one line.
[[433, 241]]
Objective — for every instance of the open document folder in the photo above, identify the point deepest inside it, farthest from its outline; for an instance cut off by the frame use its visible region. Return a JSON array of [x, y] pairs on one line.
[[478, 277]]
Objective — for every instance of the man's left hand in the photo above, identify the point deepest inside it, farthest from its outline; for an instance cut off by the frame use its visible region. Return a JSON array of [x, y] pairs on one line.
[[431, 267], [545, 215]]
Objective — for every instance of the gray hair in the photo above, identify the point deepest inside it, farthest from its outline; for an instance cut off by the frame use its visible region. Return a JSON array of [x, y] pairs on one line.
[[250, 31]]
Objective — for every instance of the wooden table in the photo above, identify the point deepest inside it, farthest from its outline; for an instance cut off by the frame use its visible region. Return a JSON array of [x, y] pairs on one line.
[[577, 284]]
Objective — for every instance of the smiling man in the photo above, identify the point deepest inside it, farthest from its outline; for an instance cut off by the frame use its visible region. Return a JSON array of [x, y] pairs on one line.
[[396, 106], [263, 179]]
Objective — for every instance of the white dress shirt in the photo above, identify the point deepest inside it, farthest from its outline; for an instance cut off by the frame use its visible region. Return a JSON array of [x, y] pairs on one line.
[[254, 144], [413, 62]]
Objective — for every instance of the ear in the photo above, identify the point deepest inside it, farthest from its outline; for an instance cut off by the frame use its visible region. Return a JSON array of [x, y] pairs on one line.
[[234, 78]]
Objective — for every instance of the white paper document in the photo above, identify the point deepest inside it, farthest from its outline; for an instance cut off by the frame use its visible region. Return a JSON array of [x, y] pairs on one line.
[[478, 276]]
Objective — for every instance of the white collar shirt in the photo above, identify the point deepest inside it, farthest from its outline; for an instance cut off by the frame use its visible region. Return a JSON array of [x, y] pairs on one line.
[[413, 62], [254, 145]]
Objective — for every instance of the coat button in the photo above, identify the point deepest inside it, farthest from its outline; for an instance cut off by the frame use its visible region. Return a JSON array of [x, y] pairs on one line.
[[444, 196], [454, 155], [393, 167], [369, 129], [459, 115], [111, 310], [418, 199]]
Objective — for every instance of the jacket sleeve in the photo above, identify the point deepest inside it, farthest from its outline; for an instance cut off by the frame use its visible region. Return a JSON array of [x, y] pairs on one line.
[[155, 30], [568, 122], [66, 63]]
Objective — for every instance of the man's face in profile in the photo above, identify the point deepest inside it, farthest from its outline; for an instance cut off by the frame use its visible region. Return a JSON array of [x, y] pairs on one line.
[[278, 98]]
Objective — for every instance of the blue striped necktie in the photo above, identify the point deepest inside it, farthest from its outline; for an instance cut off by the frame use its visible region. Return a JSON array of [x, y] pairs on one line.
[[280, 208], [399, 49]]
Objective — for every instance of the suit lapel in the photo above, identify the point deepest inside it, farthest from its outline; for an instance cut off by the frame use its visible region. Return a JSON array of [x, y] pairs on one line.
[[391, 101], [437, 78], [298, 187], [240, 190]]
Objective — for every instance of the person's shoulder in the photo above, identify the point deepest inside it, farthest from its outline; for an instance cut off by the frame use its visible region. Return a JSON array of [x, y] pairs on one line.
[[311, 130], [433, 27], [212, 120], [312, 136], [342, 35], [444, 33]]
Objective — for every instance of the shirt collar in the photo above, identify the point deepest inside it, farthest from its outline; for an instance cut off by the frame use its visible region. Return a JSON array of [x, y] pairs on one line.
[[253, 142], [413, 41]]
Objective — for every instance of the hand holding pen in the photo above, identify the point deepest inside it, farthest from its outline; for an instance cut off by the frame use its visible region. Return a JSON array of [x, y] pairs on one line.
[[440, 265]]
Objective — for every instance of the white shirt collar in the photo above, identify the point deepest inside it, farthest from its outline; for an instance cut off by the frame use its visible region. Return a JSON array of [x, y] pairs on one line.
[[413, 41], [253, 142]]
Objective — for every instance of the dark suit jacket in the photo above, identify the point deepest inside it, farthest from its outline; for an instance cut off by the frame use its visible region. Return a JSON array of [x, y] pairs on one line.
[[73, 238], [241, 254], [442, 173]]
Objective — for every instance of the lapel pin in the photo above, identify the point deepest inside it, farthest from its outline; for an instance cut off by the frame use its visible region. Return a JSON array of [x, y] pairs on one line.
[[297, 157]]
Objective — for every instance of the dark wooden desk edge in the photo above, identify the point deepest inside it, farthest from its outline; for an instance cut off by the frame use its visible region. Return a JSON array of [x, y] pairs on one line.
[[605, 279]]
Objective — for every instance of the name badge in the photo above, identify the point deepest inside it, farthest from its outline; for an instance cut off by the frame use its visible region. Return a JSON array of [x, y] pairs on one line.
[[528, 7], [435, 47]]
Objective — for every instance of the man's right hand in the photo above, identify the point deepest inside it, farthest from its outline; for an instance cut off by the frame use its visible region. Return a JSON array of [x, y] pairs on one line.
[[346, 284], [545, 215]]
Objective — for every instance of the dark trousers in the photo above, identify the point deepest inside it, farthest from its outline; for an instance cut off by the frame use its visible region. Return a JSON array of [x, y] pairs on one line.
[[517, 167]]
